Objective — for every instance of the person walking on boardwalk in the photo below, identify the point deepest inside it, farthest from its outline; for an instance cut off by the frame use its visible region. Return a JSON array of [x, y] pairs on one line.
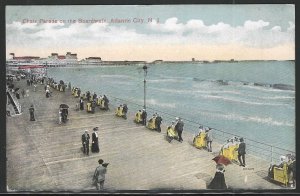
[[106, 101], [125, 110], [93, 106], [69, 86], [209, 139], [88, 95], [158, 120], [95, 141], [218, 182], [144, 117], [85, 138], [94, 96], [81, 103], [23, 93], [47, 93], [17, 95], [179, 128], [99, 175], [242, 152], [31, 111], [59, 116]]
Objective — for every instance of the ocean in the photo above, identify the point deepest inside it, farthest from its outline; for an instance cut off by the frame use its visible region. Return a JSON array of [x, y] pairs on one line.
[[250, 99]]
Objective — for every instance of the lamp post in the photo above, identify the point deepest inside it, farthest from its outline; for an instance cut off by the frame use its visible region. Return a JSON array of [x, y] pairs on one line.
[[145, 74]]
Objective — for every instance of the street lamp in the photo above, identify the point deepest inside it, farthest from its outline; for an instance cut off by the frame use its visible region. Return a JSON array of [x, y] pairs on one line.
[[145, 74]]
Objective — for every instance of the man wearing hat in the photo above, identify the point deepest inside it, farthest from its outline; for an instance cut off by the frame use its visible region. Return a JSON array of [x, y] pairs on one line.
[[85, 142], [209, 139], [99, 175], [242, 152], [144, 117], [31, 111], [158, 123], [179, 128]]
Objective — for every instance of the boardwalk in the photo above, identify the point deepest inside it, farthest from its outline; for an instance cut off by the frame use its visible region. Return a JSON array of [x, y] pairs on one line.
[[45, 156]]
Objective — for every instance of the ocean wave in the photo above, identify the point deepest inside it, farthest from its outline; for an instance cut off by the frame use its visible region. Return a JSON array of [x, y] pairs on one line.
[[240, 101], [154, 102], [253, 84], [258, 88], [275, 97], [164, 80], [214, 95], [192, 91], [115, 76], [256, 119]]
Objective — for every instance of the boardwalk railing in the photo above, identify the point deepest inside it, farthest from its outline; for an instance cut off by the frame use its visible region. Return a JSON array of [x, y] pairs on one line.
[[263, 150]]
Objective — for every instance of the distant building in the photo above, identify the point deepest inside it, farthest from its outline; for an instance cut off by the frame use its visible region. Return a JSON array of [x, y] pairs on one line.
[[20, 60], [69, 55], [157, 61], [61, 57], [93, 59]]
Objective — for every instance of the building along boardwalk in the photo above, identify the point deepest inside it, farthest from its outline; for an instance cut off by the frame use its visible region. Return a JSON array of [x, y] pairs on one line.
[[45, 156]]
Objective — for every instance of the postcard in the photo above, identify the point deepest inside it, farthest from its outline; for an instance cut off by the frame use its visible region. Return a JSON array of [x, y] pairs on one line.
[[150, 98]]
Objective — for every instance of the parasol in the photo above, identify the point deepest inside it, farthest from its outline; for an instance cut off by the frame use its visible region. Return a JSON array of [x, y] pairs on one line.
[[220, 159], [64, 106]]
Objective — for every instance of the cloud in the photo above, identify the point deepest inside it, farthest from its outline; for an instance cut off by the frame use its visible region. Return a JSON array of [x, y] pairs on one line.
[[170, 25], [252, 34], [255, 25], [257, 34], [291, 28]]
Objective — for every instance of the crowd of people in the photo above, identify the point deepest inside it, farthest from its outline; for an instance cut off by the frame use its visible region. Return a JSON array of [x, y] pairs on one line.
[[92, 100], [233, 149]]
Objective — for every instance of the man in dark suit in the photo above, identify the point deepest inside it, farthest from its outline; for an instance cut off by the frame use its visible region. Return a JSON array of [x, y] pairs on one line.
[[31, 111], [179, 128], [85, 142], [144, 117], [158, 122], [242, 152]]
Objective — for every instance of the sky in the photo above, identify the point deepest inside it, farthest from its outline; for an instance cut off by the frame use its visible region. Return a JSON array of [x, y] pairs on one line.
[[166, 32]]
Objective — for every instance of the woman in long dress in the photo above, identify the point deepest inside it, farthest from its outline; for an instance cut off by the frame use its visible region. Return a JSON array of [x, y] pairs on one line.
[[81, 102], [95, 144], [31, 111], [218, 181]]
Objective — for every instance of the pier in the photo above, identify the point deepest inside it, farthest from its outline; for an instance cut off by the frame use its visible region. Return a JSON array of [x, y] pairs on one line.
[[45, 156]]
